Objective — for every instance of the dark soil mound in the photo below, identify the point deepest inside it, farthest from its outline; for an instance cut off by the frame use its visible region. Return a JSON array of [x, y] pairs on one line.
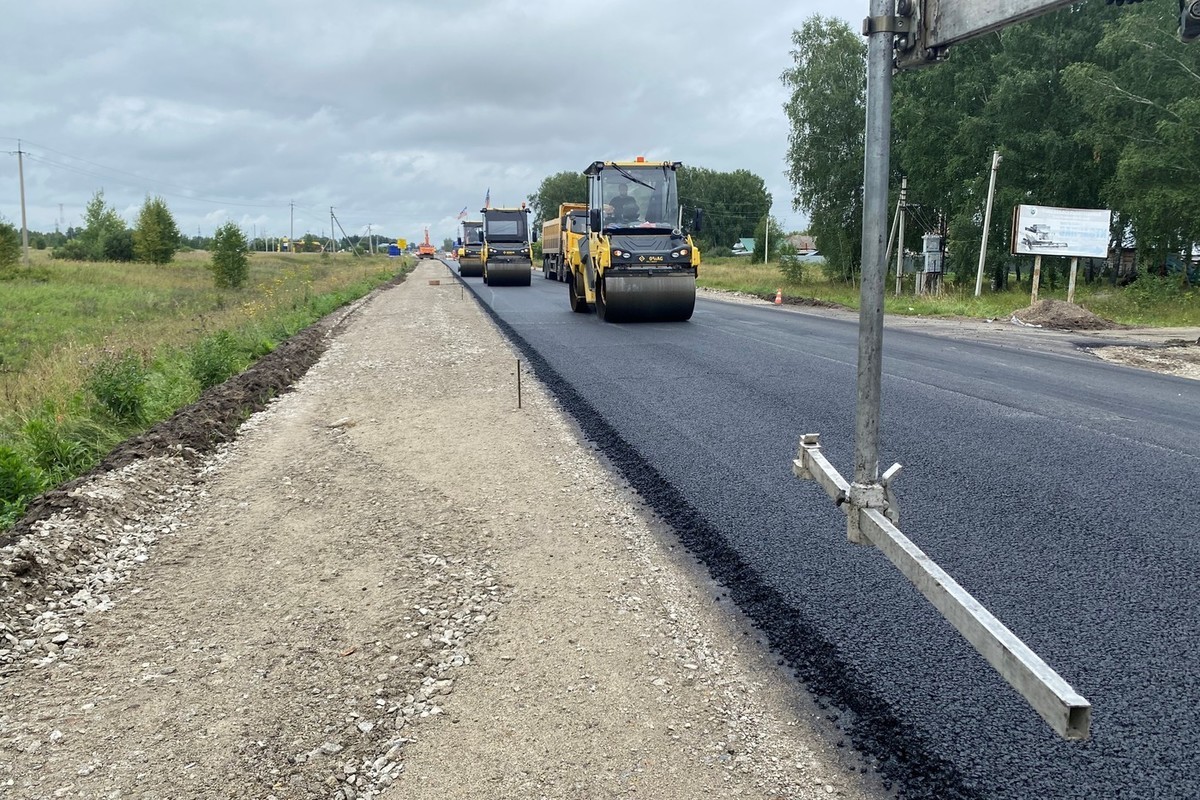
[[799, 301], [1064, 316]]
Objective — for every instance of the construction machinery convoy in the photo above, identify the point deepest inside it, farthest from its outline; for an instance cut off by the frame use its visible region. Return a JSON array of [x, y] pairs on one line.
[[560, 240], [426, 249], [470, 249], [506, 251], [635, 264]]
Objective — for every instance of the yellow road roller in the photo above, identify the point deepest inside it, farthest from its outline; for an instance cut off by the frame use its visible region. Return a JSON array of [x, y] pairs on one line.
[[470, 249], [636, 263], [506, 252]]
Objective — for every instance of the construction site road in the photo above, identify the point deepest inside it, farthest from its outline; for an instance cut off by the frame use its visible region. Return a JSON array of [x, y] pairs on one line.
[[397, 582], [1057, 488]]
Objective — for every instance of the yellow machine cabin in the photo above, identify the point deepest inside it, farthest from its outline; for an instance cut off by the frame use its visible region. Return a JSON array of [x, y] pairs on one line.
[[560, 240], [636, 264]]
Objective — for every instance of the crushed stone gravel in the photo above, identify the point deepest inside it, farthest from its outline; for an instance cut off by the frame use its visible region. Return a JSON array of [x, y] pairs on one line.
[[391, 583]]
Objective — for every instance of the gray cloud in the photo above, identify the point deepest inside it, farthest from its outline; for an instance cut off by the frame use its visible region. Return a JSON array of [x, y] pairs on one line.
[[397, 114]]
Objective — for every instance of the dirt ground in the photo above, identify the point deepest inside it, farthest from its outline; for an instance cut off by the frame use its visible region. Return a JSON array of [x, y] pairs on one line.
[[392, 582]]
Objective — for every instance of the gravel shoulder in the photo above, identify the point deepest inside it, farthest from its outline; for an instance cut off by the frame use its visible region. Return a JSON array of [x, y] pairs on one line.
[[392, 583]]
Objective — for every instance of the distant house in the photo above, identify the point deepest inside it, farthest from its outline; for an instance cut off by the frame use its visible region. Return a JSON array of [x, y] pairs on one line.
[[802, 242], [743, 247]]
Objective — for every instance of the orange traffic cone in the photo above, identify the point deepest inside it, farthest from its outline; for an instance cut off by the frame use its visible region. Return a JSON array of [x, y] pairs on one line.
[[779, 297]]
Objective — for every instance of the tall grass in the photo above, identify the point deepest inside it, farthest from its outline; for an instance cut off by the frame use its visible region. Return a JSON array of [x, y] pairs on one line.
[[1148, 301], [91, 354]]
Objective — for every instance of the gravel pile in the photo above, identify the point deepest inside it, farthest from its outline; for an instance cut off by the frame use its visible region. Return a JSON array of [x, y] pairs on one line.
[[1063, 316]]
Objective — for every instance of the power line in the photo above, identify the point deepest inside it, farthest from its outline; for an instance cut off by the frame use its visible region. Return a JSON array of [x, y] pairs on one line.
[[144, 186]]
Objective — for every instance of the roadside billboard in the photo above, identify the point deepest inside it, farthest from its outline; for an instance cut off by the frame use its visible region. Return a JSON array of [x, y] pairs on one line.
[[1049, 231]]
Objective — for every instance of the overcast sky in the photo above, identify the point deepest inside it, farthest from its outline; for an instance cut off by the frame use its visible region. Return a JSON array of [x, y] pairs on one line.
[[397, 113]]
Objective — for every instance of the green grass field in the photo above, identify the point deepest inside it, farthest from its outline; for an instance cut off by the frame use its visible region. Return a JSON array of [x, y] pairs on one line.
[[1147, 302], [92, 353], [56, 323]]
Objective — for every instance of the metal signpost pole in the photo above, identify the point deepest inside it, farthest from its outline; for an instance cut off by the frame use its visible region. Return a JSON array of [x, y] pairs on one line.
[[900, 241], [870, 316], [921, 33]]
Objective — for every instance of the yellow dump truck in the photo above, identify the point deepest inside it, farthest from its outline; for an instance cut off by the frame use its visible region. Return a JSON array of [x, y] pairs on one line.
[[470, 249], [560, 240], [636, 264], [506, 254]]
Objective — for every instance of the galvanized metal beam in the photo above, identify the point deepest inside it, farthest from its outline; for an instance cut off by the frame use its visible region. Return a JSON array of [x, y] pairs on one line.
[[1064, 709]]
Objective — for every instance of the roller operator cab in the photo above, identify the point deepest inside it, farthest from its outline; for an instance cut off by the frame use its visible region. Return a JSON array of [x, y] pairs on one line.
[[470, 249], [506, 252], [636, 264]]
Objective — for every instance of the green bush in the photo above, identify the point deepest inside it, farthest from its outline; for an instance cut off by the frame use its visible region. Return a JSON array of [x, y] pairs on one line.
[[1152, 290], [53, 452], [10, 246], [118, 246], [19, 480], [790, 264], [170, 385], [119, 383], [63, 444], [214, 359], [72, 250]]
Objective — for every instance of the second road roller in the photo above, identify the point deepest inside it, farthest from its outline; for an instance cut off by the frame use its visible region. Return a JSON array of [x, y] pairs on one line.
[[506, 255], [636, 263], [470, 265]]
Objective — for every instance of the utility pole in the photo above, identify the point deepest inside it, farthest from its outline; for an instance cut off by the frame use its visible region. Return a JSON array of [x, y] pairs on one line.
[[332, 234], [900, 241], [987, 222], [767, 236], [292, 228], [24, 226]]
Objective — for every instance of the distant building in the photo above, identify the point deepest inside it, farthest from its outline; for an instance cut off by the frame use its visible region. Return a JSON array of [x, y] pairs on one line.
[[743, 247], [802, 242]]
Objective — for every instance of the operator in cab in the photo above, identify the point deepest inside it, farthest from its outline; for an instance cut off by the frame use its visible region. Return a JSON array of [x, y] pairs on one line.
[[624, 207]]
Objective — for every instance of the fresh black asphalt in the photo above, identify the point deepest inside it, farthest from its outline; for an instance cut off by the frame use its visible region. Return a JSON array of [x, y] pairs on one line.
[[1060, 490]]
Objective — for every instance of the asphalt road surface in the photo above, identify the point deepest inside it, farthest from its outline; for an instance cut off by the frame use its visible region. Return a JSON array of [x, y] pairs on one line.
[[1058, 489]]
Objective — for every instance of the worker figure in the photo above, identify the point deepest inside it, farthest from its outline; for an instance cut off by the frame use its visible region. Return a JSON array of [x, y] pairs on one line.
[[624, 207]]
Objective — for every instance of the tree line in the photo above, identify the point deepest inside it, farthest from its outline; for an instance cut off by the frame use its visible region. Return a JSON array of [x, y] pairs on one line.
[[1090, 107], [154, 239]]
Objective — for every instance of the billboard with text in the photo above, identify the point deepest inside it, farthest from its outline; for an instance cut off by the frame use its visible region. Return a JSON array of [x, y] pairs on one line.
[[1049, 231]]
